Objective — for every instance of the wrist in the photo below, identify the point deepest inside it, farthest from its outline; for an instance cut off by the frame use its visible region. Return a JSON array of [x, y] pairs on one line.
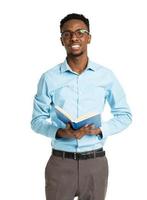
[[59, 133], [99, 134]]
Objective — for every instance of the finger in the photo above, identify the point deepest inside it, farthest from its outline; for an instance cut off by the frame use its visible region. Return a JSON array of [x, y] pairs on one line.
[[68, 125], [88, 129], [86, 125], [79, 134], [94, 131], [93, 126], [78, 137]]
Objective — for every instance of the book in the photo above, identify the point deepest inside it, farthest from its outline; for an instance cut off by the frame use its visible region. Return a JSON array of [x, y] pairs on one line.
[[89, 118]]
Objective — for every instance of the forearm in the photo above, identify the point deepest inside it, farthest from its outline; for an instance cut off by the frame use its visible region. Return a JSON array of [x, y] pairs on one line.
[[44, 127], [116, 124]]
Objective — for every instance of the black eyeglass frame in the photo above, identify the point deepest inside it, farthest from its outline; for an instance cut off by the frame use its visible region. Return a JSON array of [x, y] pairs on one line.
[[82, 31]]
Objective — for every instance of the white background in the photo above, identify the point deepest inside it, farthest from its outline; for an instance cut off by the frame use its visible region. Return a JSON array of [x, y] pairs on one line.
[[29, 45]]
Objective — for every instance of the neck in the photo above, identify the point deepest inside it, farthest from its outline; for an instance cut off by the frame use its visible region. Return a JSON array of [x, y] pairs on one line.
[[78, 64]]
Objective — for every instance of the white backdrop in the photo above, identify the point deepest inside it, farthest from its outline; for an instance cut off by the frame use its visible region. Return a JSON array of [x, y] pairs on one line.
[[29, 45]]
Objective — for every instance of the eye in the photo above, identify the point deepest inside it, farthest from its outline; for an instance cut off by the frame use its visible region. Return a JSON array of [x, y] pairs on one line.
[[79, 33], [66, 34]]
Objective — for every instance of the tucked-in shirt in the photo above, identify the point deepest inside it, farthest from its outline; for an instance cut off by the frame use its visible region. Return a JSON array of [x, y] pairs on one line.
[[78, 94]]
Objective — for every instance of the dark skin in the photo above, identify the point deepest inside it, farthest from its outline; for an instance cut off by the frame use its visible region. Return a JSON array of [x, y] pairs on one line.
[[76, 49]]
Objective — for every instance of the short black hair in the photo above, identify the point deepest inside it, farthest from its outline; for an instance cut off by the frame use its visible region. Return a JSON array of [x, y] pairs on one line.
[[75, 16]]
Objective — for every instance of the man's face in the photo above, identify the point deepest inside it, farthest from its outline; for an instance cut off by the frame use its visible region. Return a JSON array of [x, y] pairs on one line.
[[75, 43]]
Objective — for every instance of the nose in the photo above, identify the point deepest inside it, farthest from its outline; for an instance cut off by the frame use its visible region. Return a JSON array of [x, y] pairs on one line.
[[74, 37]]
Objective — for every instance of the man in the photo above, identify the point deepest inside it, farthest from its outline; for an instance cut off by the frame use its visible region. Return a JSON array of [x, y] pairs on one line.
[[78, 165]]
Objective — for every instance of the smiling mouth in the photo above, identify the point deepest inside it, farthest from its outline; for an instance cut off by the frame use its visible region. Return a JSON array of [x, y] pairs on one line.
[[75, 46]]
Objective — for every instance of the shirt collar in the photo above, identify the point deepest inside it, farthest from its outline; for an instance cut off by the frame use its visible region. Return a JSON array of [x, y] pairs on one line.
[[65, 67]]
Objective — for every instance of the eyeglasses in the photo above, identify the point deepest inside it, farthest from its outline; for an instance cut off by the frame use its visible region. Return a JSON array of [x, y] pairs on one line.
[[78, 33]]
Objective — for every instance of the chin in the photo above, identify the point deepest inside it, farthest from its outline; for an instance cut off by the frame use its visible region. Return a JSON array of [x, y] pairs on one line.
[[75, 54]]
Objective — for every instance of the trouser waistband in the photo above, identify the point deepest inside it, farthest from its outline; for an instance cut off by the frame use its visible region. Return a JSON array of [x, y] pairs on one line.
[[79, 156]]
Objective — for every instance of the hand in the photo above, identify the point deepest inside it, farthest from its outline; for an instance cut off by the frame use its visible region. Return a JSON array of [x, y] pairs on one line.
[[69, 132], [87, 130]]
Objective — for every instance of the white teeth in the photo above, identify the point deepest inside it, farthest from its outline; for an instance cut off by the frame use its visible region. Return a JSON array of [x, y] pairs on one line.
[[75, 46]]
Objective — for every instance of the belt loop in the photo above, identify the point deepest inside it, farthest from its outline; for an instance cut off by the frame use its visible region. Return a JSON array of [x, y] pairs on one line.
[[94, 152], [63, 155], [75, 157]]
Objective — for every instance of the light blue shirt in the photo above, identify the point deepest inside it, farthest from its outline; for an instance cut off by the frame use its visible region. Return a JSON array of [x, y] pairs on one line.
[[79, 94]]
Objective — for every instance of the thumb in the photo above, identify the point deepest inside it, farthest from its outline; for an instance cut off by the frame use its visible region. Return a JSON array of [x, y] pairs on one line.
[[68, 125], [86, 125]]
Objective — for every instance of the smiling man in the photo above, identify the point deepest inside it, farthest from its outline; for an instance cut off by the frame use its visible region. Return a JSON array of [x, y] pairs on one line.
[[78, 164]]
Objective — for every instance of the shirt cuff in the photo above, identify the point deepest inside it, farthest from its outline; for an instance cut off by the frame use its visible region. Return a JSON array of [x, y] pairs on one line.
[[52, 132], [105, 129], [100, 135]]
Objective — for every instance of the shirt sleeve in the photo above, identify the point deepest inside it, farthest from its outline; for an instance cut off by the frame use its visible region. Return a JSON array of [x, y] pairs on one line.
[[41, 111], [120, 110]]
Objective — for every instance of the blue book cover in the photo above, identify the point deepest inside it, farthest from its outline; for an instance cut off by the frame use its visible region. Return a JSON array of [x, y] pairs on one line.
[[89, 118]]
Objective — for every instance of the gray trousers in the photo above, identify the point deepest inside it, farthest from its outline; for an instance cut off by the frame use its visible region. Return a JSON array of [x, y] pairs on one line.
[[67, 178]]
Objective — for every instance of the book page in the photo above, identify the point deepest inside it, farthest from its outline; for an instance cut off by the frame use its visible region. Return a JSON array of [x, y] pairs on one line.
[[64, 113], [86, 116]]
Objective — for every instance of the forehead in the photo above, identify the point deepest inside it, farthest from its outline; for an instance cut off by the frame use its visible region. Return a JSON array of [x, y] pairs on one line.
[[73, 25]]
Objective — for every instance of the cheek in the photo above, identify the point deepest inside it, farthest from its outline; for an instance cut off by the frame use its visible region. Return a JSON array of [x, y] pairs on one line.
[[65, 42], [66, 45], [85, 42]]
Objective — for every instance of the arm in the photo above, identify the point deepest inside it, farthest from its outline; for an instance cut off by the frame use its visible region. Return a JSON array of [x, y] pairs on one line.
[[41, 111], [122, 116]]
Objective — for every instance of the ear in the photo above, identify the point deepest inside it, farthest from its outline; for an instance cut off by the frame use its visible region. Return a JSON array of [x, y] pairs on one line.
[[89, 39], [62, 41]]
